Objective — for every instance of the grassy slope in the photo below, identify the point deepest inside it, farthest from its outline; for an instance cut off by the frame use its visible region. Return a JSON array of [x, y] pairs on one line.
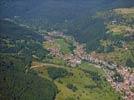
[[118, 56], [127, 15], [80, 79], [64, 45], [118, 31], [126, 12]]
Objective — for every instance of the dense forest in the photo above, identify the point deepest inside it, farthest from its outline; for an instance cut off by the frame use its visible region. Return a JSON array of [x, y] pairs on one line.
[[75, 17]]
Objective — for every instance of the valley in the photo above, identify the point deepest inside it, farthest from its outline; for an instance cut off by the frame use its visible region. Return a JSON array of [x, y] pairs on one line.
[[66, 50], [88, 84], [120, 77]]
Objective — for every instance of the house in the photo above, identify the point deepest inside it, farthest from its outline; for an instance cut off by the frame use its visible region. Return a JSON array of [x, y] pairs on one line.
[[114, 22]]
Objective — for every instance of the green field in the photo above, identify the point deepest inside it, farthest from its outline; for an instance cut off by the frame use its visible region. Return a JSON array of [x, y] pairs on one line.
[[65, 45]]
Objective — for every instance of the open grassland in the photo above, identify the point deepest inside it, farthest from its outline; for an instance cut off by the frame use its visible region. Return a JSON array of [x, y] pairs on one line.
[[48, 44], [118, 29], [65, 46], [125, 10], [127, 13]]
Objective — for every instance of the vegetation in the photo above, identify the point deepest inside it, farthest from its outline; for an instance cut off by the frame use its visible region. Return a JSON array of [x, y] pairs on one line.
[[132, 89], [84, 84], [117, 45], [20, 40], [118, 77], [65, 45], [129, 63], [17, 83], [72, 87], [55, 73], [75, 17], [106, 31]]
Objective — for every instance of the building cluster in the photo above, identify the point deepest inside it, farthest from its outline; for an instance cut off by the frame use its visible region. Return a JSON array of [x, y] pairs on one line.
[[54, 50], [56, 33], [128, 83], [109, 68], [125, 86], [72, 60], [48, 38]]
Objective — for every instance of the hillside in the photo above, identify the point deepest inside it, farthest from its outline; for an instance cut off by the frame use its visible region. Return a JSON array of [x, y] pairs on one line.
[[117, 46], [77, 83], [18, 44], [66, 50], [18, 84], [75, 17], [23, 72]]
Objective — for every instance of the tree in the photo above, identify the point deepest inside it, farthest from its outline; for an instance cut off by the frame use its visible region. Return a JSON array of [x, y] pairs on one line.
[[129, 63], [72, 87], [55, 73]]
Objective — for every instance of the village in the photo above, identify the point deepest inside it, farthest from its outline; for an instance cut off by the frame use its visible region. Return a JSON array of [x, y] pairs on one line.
[[79, 54]]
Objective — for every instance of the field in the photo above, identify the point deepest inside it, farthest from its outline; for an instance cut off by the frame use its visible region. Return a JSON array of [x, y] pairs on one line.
[[65, 46], [62, 44], [125, 10], [118, 29]]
